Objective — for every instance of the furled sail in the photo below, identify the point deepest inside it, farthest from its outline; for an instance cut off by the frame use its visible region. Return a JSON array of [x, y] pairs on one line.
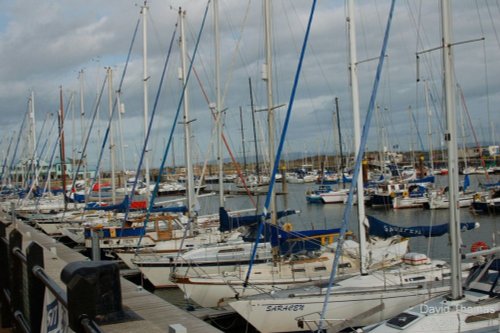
[[386, 230]]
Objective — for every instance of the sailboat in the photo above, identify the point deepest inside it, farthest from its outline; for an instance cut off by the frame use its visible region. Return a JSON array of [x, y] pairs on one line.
[[487, 203], [270, 277], [229, 255], [48, 203], [440, 199], [255, 182], [325, 193], [475, 306], [285, 272], [199, 231], [364, 298]]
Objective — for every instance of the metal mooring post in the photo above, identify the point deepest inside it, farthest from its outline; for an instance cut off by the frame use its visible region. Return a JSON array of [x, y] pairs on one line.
[[96, 249], [94, 293], [12, 212]]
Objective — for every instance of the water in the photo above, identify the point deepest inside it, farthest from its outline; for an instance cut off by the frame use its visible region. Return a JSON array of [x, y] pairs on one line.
[[330, 216], [321, 216]]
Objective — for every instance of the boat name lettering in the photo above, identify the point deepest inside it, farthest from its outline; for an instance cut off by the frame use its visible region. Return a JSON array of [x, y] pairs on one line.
[[290, 307], [394, 229]]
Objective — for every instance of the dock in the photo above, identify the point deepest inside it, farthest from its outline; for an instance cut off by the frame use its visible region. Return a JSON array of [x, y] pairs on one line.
[[149, 312]]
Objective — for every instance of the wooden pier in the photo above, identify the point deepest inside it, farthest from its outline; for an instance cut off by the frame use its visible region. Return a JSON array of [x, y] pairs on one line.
[[151, 314]]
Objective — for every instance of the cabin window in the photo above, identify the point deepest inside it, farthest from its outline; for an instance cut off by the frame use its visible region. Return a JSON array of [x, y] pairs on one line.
[[231, 250], [299, 270], [345, 265], [318, 269], [417, 278]]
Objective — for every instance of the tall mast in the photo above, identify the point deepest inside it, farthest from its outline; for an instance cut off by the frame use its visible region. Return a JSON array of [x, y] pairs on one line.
[[451, 138], [243, 141], [429, 125], [381, 150], [340, 141], [186, 122], [270, 107], [6, 158], [252, 107], [218, 107], [32, 139], [173, 155], [82, 127], [462, 126], [145, 83], [109, 73], [61, 145], [121, 112], [82, 106], [73, 138], [357, 132]]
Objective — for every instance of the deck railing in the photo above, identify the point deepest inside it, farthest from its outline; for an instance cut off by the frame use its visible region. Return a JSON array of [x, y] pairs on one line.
[[31, 301]]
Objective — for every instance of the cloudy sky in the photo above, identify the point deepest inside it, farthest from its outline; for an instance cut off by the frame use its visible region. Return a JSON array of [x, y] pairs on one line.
[[47, 44]]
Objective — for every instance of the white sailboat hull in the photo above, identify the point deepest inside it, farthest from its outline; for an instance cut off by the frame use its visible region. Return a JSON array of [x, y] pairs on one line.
[[442, 201], [408, 202], [344, 308], [214, 259], [211, 291], [154, 248], [335, 196]]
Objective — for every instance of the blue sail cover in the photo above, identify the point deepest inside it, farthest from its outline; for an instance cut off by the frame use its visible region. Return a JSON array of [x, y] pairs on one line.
[[228, 223], [288, 242], [466, 182], [346, 179], [292, 241], [490, 185], [113, 232], [117, 207], [300, 241], [121, 207], [428, 179], [386, 230]]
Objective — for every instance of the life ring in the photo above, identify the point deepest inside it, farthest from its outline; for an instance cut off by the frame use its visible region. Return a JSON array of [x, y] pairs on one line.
[[477, 197], [405, 194], [393, 194], [287, 227], [479, 246]]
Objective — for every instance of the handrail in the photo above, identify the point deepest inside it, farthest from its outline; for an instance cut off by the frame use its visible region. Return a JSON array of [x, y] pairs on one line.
[[54, 288], [23, 300]]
